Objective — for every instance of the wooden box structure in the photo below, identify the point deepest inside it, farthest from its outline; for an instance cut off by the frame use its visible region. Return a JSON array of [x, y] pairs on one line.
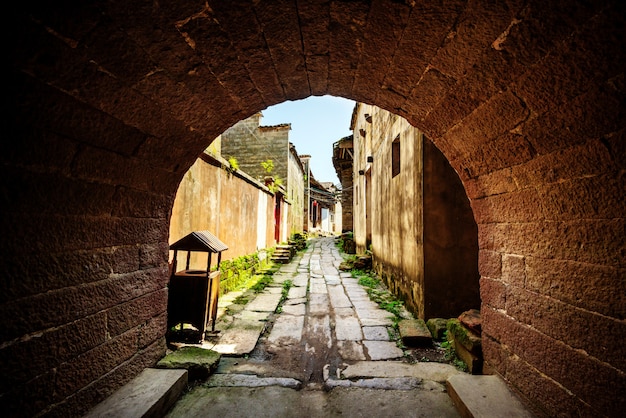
[[193, 294]]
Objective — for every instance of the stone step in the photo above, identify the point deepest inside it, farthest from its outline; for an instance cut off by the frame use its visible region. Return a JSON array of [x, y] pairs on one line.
[[151, 394], [283, 260], [199, 362], [485, 397], [464, 336], [280, 255], [474, 362], [414, 332]]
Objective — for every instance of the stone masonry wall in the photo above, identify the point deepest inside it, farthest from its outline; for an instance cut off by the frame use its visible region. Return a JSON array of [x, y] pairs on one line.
[[107, 104], [251, 145]]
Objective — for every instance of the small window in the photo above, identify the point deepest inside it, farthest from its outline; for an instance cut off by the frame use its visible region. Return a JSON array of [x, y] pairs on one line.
[[395, 157]]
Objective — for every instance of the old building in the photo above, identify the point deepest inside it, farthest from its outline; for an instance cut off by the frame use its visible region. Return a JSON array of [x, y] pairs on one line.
[[265, 153], [411, 211], [108, 104], [324, 208], [343, 159]]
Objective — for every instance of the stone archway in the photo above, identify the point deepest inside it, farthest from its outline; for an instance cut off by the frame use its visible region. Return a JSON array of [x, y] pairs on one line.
[[110, 103]]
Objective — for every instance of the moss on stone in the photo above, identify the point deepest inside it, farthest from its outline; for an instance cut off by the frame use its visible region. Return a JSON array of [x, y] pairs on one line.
[[199, 362], [437, 327], [463, 336]]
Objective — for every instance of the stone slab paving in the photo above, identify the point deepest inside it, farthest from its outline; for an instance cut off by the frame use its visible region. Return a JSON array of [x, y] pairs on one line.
[[485, 396], [299, 309], [385, 383], [280, 278], [374, 317], [252, 315], [364, 304], [332, 280], [287, 330], [328, 336], [317, 285], [319, 304], [301, 280], [437, 372], [247, 380], [318, 328], [348, 328], [151, 393], [338, 298], [382, 350], [265, 302], [278, 401], [376, 333], [239, 339], [356, 292], [290, 268], [295, 301], [350, 350], [297, 292]]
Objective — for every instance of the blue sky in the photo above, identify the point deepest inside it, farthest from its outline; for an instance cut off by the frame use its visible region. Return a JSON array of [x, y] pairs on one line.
[[316, 123]]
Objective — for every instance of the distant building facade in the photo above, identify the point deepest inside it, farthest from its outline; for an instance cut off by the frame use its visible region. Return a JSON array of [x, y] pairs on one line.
[[343, 159]]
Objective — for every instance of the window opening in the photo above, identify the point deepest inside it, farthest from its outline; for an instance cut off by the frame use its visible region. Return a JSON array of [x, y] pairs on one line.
[[395, 157]]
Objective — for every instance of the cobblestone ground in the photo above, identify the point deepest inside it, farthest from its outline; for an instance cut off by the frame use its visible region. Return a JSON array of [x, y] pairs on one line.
[[326, 353]]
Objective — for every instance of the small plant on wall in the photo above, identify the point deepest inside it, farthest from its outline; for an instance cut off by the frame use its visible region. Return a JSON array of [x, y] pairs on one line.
[[233, 165], [272, 182], [268, 166]]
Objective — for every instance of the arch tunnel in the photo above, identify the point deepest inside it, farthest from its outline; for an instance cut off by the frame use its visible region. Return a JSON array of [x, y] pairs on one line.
[[110, 102]]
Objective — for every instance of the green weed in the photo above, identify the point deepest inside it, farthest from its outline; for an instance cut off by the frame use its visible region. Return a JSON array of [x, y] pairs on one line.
[[451, 356], [240, 300], [261, 284]]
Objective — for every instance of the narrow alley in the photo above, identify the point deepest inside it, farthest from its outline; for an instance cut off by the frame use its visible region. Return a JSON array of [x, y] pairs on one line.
[[322, 351]]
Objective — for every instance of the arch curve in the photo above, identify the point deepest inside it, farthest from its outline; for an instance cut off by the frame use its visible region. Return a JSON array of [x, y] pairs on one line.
[[111, 102]]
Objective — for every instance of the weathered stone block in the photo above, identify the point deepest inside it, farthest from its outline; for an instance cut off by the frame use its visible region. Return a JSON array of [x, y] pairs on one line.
[[437, 327], [532, 346], [490, 264], [463, 336], [560, 279], [473, 361], [88, 367], [493, 293], [513, 269], [153, 330], [125, 316], [151, 393], [577, 328], [200, 362], [471, 319], [363, 263], [414, 332]]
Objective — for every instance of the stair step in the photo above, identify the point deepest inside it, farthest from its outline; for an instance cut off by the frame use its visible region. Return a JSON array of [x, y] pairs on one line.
[[414, 332], [150, 394], [485, 397]]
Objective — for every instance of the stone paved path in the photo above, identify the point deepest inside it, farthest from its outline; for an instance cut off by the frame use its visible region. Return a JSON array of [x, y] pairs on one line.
[[327, 353]]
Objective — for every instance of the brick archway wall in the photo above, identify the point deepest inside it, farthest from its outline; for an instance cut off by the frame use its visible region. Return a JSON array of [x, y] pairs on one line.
[[110, 103]]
